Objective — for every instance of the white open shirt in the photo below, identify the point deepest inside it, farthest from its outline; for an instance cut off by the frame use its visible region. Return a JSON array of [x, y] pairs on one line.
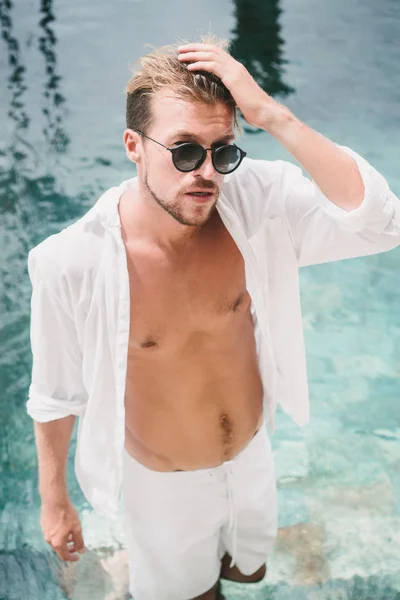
[[80, 306]]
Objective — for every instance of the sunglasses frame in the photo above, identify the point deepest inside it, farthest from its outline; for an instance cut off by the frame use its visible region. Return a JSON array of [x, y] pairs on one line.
[[202, 158]]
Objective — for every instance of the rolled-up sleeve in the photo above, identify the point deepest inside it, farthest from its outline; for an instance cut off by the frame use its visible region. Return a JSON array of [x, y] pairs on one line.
[[323, 232], [56, 388]]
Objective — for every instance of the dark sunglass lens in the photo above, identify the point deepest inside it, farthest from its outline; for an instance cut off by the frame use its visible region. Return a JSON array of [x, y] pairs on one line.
[[227, 158], [187, 156]]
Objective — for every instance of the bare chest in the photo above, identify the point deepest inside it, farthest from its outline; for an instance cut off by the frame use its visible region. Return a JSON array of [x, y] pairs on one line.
[[202, 292]]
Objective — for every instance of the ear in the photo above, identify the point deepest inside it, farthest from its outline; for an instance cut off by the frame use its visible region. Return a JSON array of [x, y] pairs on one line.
[[132, 143]]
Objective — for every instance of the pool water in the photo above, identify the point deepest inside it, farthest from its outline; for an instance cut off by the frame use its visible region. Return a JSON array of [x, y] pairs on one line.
[[337, 66]]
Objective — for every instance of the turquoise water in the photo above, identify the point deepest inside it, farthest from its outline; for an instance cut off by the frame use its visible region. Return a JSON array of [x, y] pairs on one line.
[[337, 66]]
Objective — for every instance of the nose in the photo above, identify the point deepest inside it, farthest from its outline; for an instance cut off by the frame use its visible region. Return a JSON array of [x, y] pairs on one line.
[[206, 169]]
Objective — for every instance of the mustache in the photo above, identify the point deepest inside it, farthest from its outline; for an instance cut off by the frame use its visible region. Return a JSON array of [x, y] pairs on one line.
[[203, 185]]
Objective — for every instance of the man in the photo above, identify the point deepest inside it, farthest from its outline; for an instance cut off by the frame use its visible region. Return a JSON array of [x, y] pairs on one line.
[[168, 318]]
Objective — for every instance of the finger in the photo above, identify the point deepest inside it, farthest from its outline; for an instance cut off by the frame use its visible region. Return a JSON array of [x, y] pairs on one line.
[[57, 543], [77, 538], [208, 65], [67, 546], [73, 548], [75, 541], [196, 56], [197, 48], [65, 554]]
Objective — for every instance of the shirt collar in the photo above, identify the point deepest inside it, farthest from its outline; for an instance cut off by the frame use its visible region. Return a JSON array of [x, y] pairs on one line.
[[105, 210]]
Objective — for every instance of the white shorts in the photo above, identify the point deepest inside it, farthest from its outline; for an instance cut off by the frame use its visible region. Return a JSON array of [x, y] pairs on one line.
[[179, 524]]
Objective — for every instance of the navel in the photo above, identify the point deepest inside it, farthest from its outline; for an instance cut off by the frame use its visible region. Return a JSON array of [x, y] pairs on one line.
[[149, 343], [237, 302]]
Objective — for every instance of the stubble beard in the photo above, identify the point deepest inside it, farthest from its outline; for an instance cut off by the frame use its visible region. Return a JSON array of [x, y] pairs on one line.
[[175, 209]]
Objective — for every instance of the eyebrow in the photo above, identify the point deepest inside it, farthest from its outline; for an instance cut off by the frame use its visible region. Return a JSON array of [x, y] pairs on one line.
[[180, 135]]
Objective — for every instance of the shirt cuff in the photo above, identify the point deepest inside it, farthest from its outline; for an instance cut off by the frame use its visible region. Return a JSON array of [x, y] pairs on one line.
[[377, 208], [44, 408]]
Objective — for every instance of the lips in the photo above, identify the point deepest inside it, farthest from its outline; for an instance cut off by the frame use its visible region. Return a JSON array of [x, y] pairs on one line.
[[200, 193], [202, 197]]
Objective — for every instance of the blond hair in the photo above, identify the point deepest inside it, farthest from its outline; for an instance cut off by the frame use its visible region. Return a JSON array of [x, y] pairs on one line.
[[160, 70]]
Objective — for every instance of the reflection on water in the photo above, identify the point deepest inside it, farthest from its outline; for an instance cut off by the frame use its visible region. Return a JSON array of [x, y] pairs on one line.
[[53, 106], [18, 119], [257, 43], [21, 176], [339, 480], [15, 80]]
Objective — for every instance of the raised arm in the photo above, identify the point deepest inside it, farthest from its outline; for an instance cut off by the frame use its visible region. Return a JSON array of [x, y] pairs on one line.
[[346, 209], [334, 171]]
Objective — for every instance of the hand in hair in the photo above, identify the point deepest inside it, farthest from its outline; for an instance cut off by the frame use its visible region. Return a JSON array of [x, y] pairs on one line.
[[257, 107]]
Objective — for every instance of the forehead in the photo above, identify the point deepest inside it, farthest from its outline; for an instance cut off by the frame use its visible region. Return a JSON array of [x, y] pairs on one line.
[[171, 114]]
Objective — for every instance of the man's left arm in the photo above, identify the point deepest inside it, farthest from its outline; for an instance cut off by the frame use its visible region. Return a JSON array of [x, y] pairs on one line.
[[359, 198], [335, 172]]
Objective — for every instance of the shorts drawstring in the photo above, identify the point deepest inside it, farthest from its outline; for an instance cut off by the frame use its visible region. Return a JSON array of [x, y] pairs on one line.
[[232, 509]]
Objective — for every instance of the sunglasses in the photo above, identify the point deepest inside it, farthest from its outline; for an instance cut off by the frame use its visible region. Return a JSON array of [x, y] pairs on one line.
[[189, 156]]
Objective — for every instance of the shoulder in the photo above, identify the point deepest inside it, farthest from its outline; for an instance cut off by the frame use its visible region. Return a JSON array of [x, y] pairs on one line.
[[75, 252], [255, 190], [74, 249], [260, 178]]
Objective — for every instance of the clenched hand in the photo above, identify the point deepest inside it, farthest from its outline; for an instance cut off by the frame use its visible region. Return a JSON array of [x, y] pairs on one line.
[[62, 530]]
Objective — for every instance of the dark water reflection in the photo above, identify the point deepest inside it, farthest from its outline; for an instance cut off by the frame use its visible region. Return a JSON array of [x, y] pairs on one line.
[[53, 100], [15, 82], [64, 66], [258, 43]]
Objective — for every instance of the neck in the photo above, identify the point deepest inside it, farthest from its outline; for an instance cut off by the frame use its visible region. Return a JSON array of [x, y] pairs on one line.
[[142, 218]]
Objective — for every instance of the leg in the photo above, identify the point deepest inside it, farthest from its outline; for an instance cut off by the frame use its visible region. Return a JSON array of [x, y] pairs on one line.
[[172, 525], [252, 528], [233, 573]]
